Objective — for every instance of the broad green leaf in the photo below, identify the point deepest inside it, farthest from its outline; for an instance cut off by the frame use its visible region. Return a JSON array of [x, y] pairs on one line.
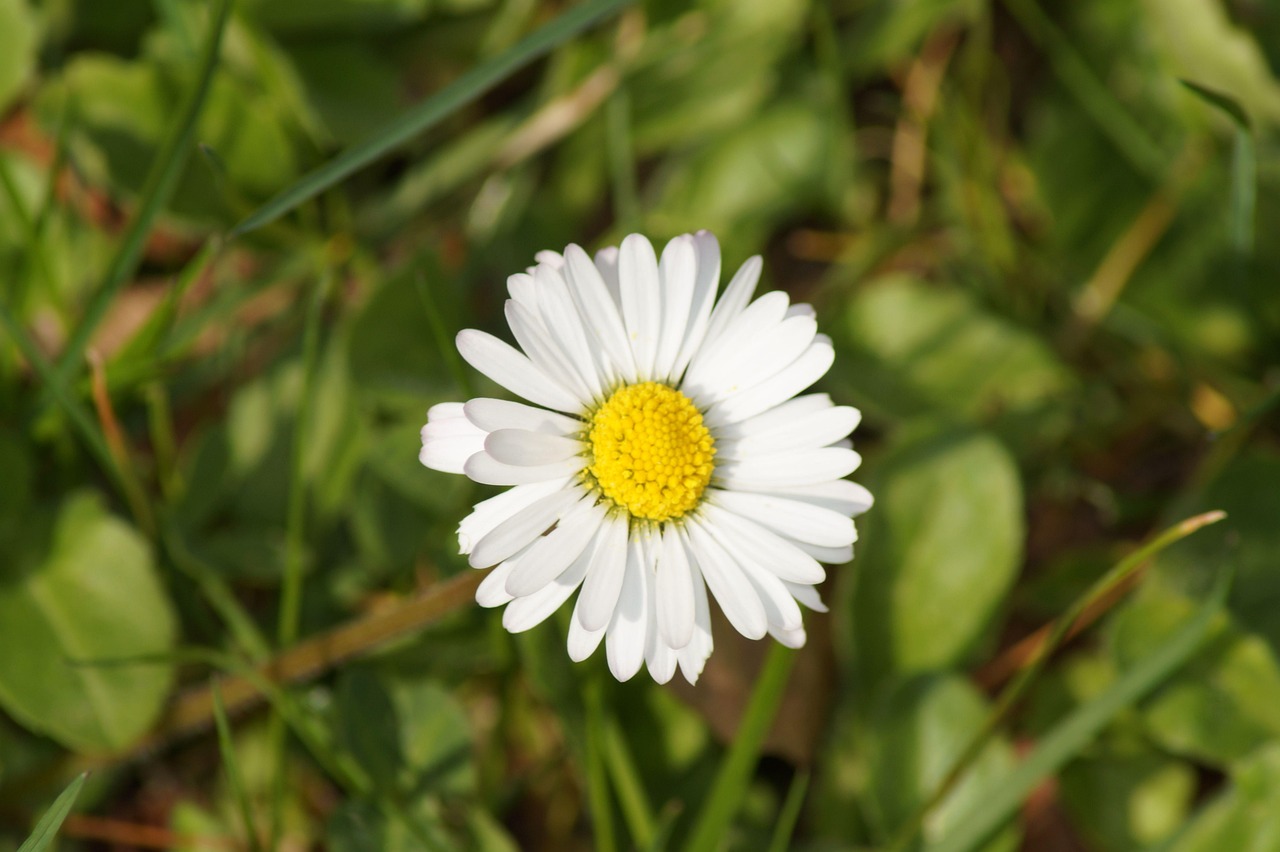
[[96, 596], [1127, 799], [913, 735], [943, 546], [18, 44], [937, 349], [1203, 44], [1246, 818], [1222, 706]]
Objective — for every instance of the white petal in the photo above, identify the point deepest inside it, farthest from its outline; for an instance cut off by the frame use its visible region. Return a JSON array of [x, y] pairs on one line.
[[780, 607], [487, 470], [840, 495], [735, 298], [492, 590], [799, 520], [604, 577], [736, 595], [449, 455], [599, 312], [523, 290], [550, 555], [781, 417], [531, 610], [448, 439], [788, 638], [763, 357], [514, 371], [829, 555], [582, 642], [626, 638], [693, 657], [494, 414], [800, 309], [673, 599], [487, 514], [717, 359], [551, 258], [793, 378], [564, 327], [704, 296], [523, 448], [817, 429], [606, 262], [641, 300], [806, 595], [659, 657], [765, 473], [779, 555], [679, 271], [535, 340], [518, 532]]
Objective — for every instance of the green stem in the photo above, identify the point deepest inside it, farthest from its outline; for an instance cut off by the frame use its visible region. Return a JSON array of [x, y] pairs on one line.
[[738, 766], [597, 781], [636, 809]]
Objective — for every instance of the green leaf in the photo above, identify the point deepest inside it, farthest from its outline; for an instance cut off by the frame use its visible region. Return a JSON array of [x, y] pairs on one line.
[[943, 547], [938, 349], [408, 733], [444, 103], [770, 167], [49, 824], [913, 735], [1222, 706], [1246, 817], [96, 596], [1127, 798], [1078, 729], [17, 48]]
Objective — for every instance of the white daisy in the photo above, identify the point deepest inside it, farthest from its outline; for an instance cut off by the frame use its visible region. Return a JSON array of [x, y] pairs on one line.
[[665, 453]]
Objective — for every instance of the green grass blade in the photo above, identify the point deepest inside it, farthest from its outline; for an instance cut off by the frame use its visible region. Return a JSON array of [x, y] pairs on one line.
[[49, 824], [161, 181], [597, 774], [458, 94], [1244, 167], [235, 781], [734, 776], [790, 813], [1078, 730], [636, 809]]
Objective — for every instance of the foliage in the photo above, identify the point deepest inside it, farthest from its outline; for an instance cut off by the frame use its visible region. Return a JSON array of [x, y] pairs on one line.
[[238, 237]]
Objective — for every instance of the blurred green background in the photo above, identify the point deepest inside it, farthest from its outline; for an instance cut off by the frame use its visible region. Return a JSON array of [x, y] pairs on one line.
[[1041, 234]]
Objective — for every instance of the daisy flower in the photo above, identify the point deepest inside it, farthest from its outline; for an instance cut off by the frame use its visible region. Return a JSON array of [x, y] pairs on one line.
[[665, 453]]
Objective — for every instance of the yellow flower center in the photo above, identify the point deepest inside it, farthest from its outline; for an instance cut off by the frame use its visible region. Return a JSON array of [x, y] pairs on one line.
[[651, 454]]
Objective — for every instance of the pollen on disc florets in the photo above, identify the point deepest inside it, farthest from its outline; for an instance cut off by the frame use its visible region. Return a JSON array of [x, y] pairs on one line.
[[651, 453]]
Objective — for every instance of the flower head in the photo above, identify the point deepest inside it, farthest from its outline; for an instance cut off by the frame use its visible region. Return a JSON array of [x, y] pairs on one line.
[[666, 453]]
